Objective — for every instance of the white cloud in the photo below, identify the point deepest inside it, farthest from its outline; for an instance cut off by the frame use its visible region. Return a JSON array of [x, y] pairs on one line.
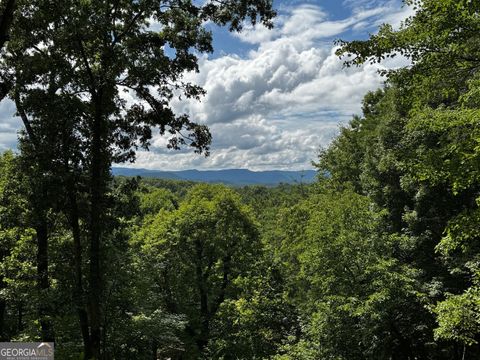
[[274, 107], [392, 12], [253, 142], [396, 18], [308, 24]]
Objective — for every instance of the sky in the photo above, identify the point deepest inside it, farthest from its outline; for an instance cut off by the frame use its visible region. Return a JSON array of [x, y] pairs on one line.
[[274, 97]]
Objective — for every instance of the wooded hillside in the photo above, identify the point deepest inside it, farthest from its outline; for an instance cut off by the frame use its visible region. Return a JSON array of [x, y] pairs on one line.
[[378, 259]]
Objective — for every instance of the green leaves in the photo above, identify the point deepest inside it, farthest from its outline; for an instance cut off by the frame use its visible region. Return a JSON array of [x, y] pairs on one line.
[[196, 256], [415, 154], [458, 317], [447, 147], [70, 64], [342, 276]]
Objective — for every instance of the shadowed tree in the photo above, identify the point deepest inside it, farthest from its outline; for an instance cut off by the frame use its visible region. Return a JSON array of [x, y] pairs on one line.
[[7, 14]]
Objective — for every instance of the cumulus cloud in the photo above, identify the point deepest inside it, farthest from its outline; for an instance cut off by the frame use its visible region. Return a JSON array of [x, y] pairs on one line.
[[276, 106], [253, 142]]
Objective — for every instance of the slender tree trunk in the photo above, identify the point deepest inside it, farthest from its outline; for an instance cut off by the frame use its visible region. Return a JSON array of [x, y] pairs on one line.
[[40, 223], [43, 282], [3, 302], [97, 207], [19, 317], [3, 308], [78, 290]]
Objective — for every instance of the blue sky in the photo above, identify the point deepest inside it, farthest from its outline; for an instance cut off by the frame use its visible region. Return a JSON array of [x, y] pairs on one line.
[[336, 10], [274, 97]]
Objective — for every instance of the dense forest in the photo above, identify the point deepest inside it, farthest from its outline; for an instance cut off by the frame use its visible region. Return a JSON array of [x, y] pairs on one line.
[[378, 259]]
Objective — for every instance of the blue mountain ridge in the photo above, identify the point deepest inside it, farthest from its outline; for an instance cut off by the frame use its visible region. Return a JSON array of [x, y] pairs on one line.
[[229, 176]]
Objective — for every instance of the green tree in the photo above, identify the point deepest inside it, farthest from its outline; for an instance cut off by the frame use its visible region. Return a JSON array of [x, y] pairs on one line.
[[197, 256], [355, 299], [81, 56], [420, 160], [12, 212]]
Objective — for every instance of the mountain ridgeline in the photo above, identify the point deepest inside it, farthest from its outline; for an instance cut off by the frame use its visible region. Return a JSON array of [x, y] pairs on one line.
[[236, 177]]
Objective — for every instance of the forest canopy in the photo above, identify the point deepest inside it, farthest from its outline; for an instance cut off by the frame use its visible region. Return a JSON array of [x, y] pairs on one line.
[[378, 259]]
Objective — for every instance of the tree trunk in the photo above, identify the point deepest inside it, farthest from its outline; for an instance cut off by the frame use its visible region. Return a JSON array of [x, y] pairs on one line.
[[40, 224], [3, 302], [19, 317], [78, 290], [43, 283], [3, 308], [97, 207]]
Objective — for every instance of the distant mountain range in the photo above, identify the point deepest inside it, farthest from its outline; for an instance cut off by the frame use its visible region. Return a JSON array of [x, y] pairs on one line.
[[229, 177]]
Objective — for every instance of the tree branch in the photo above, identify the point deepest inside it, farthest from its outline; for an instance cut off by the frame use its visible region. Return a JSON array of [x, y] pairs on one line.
[[119, 38], [25, 120]]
